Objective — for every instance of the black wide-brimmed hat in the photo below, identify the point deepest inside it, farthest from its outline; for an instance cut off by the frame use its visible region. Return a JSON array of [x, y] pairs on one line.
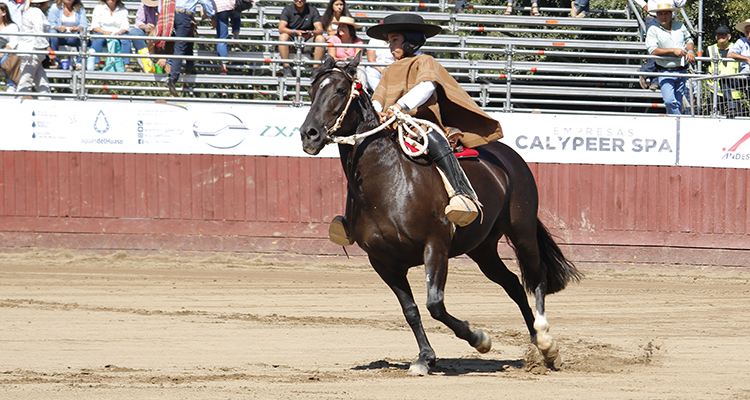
[[403, 22]]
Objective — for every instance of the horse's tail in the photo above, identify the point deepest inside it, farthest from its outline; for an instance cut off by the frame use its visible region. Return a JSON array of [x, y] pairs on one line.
[[559, 269]]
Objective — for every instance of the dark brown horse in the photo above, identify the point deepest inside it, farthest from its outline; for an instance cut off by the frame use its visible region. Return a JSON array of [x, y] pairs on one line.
[[395, 211]]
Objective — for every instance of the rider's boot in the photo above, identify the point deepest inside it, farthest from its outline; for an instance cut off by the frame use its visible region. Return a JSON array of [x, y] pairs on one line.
[[338, 232], [463, 207]]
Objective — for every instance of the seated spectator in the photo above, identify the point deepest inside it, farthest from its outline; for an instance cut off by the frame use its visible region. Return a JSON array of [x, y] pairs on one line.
[[32, 72], [347, 33], [380, 56], [534, 8], [145, 24], [335, 10], [110, 17], [300, 19], [16, 10], [728, 97], [9, 42], [67, 16], [671, 39]]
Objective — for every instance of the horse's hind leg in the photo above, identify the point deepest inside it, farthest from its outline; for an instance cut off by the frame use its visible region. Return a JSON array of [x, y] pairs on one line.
[[485, 255], [398, 282], [436, 269]]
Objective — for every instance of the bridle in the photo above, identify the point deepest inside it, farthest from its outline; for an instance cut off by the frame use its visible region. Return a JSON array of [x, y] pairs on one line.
[[410, 129]]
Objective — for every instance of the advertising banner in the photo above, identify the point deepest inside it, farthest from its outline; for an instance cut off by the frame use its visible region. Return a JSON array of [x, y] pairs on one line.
[[259, 130]]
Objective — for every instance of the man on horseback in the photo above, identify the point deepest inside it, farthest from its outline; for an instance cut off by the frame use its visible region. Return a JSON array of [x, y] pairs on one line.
[[418, 85]]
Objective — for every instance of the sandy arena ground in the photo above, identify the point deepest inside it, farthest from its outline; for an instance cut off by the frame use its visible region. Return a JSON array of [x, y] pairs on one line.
[[81, 326]]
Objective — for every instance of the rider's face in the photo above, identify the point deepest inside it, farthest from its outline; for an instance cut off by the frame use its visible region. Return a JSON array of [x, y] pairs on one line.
[[396, 44]]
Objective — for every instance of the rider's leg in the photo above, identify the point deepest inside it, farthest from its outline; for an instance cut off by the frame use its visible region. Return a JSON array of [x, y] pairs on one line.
[[462, 209]]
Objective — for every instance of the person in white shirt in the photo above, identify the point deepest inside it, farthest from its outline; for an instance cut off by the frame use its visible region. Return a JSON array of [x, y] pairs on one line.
[[7, 41], [110, 17], [32, 72], [380, 55], [650, 7]]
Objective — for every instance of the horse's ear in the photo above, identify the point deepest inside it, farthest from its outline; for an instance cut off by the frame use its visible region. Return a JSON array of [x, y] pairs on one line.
[[354, 63], [328, 62]]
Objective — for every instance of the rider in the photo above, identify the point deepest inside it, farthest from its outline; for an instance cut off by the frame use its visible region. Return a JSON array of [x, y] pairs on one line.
[[418, 85]]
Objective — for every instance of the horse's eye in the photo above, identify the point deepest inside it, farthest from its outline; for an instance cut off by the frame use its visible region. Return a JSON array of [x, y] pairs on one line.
[[341, 92]]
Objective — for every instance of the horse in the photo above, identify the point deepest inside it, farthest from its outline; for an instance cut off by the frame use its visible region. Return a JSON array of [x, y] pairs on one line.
[[395, 212]]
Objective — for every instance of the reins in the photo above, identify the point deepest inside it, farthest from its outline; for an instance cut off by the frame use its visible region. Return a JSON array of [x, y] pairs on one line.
[[410, 130]]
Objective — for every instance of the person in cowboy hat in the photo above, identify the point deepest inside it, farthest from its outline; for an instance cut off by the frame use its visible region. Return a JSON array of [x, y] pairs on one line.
[[740, 51], [418, 85], [345, 33], [672, 40], [32, 72]]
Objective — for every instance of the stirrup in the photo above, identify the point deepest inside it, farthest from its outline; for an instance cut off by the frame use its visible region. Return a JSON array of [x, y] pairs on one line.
[[461, 210], [338, 232]]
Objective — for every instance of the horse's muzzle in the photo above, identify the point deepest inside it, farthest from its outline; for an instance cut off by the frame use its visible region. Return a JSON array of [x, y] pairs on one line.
[[313, 140]]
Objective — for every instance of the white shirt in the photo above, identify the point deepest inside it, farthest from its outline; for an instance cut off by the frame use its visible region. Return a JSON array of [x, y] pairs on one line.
[[110, 22], [382, 56], [34, 21], [12, 40]]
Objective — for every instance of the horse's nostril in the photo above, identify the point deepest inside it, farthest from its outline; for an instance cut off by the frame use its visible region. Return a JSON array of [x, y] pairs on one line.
[[312, 133]]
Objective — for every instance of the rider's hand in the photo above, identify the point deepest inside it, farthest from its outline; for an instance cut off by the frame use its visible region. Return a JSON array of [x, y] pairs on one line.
[[389, 111], [382, 116]]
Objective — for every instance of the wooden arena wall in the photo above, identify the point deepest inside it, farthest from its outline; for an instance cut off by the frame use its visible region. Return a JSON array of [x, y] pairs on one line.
[[215, 203]]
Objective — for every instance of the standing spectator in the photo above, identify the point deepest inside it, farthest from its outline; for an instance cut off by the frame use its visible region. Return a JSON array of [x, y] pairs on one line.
[[670, 39], [32, 72], [225, 11], [67, 16], [579, 8], [184, 11], [509, 9], [7, 26], [650, 65], [740, 51], [300, 19], [110, 17], [378, 55], [145, 24], [721, 50], [335, 10]]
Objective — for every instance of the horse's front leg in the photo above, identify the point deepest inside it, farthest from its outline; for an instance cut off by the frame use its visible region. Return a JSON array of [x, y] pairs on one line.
[[398, 282], [436, 269]]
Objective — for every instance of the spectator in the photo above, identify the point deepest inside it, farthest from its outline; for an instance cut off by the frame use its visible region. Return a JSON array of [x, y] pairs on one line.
[[16, 10], [67, 16], [670, 39], [721, 50], [183, 22], [32, 72], [740, 51], [9, 42], [378, 55], [110, 17], [225, 11], [650, 65], [300, 19], [145, 24], [335, 10], [346, 33], [534, 8], [579, 8]]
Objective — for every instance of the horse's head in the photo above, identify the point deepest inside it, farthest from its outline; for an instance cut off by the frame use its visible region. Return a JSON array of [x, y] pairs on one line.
[[332, 91]]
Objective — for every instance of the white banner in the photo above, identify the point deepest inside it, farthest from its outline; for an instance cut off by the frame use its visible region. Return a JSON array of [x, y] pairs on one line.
[[121, 127]]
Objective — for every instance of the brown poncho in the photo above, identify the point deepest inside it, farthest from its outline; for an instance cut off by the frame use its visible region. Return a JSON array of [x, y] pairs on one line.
[[450, 105]]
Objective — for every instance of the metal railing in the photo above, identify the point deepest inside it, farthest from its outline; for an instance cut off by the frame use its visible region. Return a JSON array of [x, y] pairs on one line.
[[720, 96]]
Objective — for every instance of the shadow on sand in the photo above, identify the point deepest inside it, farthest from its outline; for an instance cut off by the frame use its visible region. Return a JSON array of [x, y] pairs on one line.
[[451, 366]]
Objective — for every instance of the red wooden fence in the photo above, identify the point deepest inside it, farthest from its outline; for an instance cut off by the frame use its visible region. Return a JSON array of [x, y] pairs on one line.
[[206, 203]]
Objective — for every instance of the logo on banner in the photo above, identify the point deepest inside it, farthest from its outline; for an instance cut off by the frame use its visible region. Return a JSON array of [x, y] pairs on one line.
[[101, 125], [220, 130], [732, 154]]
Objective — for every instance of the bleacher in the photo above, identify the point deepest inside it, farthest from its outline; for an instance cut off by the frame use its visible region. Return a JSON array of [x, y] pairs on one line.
[[512, 63]]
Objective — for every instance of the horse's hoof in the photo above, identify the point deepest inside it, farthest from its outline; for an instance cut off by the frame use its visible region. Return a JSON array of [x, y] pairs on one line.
[[556, 363], [485, 344], [418, 369]]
